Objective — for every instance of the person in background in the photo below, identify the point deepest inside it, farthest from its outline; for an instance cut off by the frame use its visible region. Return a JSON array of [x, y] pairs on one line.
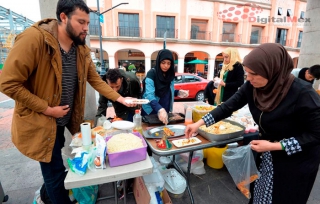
[[209, 93], [287, 111], [231, 75], [158, 87], [307, 74], [126, 84], [46, 73]]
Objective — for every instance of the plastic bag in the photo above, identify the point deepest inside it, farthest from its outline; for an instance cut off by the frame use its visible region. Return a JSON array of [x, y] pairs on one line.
[[242, 167], [86, 195]]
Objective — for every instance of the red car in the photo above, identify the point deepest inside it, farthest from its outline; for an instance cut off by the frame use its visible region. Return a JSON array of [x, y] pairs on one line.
[[191, 82]]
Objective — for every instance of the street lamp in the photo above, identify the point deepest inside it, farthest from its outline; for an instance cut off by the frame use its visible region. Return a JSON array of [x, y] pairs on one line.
[[99, 30]]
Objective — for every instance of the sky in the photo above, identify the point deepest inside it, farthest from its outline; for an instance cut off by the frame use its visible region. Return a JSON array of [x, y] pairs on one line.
[[27, 8]]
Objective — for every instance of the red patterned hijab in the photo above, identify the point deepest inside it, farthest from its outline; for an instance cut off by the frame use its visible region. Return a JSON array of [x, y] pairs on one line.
[[271, 61]]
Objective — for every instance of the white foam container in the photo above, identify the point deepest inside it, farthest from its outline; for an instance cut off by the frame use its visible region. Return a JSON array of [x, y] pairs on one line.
[[154, 179], [175, 181]]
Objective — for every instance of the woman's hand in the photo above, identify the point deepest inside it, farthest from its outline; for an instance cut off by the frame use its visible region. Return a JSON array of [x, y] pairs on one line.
[[264, 145], [183, 93], [222, 83], [163, 116], [192, 128]]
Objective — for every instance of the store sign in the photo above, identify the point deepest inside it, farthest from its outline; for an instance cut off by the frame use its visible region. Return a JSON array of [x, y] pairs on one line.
[[136, 54]]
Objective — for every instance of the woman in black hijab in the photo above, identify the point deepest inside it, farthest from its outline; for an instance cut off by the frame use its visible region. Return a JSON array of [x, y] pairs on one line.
[[158, 87], [288, 114]]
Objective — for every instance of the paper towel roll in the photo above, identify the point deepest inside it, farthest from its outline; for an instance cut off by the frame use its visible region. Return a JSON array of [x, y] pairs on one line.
[[86, 133]]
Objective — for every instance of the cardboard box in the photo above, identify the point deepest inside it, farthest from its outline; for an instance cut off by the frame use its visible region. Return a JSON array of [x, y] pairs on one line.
[[142, 195]]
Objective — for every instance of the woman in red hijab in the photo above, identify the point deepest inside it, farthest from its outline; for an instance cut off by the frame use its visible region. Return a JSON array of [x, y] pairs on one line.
[[288, 114]]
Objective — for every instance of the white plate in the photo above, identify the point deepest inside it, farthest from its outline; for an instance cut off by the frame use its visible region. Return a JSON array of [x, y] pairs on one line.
[[186, 142], [137, 101], [122, 125]]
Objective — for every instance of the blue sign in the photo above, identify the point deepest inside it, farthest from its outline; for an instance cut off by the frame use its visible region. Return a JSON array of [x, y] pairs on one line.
[[101, 19]]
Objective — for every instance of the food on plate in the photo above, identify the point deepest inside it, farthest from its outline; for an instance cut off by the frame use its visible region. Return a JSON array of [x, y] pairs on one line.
[[186, 142], [116, 119], [221, 127], [168, 132], [99, 129], [123, 142]]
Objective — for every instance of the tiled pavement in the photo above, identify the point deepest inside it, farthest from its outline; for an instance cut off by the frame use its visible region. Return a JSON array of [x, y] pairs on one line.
[[21, 177]]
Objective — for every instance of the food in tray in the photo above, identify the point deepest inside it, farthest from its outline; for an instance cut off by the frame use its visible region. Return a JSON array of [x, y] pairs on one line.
[[123, 142], [175, 117], [186, 142], [168, 132], [221, 127], [204, 108]]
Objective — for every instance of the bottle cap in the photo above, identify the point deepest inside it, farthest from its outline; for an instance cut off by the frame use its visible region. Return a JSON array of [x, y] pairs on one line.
[[137, 111]]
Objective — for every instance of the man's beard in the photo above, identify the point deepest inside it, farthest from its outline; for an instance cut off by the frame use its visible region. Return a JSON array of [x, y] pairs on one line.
[[76, 39]]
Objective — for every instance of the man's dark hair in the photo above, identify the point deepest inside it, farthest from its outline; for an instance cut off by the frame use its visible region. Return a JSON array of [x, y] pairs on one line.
[[69, 6], [315, 71], [113, 75]]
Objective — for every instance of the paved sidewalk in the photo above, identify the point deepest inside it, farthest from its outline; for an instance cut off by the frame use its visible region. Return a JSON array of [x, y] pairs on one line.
[[21, 177]]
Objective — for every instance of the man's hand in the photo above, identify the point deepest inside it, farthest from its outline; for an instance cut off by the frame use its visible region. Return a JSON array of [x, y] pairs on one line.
[[57, 111], [163, 116], [127, 101]]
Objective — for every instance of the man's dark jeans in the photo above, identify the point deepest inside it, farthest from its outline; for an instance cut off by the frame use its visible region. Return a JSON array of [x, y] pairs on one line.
[[54, 172]]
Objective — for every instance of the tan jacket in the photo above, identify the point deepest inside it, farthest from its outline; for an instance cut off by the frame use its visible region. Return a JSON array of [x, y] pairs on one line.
[[32, 76]]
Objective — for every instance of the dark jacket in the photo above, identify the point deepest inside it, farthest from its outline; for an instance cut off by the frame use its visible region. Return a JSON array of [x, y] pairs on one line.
[[297, 116], [208, 93], [130, 88], [235, 79]]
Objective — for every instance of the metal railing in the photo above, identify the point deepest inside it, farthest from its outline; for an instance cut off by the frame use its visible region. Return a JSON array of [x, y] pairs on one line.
[[171, 33], [256, 39], [200, 35], [282, 41], [94, 29], [129, 31], [230, 37]]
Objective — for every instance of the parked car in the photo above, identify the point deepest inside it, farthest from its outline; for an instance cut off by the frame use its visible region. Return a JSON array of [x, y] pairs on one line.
[[195, 84]]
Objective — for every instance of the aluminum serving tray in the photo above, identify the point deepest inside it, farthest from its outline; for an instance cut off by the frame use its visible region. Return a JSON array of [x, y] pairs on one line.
[[157, 132], [221, 137]]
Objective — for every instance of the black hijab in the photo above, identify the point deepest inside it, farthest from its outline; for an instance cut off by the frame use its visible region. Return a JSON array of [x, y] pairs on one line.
[[162, 80]]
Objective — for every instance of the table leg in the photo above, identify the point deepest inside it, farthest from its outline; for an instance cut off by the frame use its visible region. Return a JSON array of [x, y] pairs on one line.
[[115, 192], [187, 175], [124, 192]]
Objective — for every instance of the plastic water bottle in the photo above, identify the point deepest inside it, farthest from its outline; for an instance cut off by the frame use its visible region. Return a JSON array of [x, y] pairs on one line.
[[137, 122], [188, 117]]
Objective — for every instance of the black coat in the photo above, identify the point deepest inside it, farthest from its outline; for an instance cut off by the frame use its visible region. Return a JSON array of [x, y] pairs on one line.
[[297, 116], [234, 80], [130, 88]]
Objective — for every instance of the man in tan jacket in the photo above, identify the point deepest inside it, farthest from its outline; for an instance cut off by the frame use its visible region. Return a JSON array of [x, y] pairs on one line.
[[46, 73]]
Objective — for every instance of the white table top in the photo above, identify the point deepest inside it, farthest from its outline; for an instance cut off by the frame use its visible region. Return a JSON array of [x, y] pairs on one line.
[[109, 174]]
